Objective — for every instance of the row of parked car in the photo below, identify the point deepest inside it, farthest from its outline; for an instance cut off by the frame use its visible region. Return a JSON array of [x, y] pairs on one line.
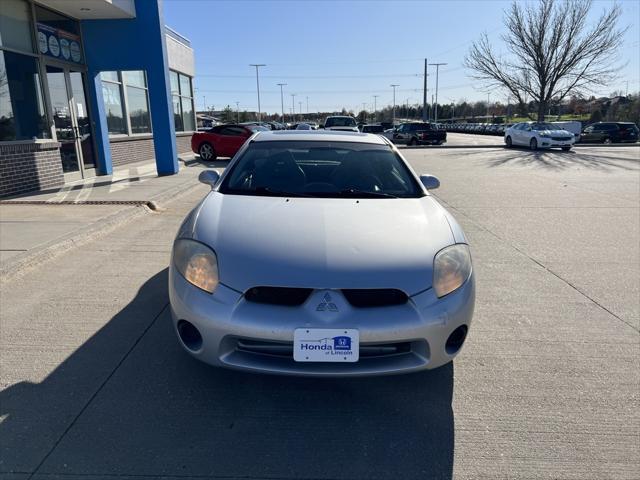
[[601, 132]]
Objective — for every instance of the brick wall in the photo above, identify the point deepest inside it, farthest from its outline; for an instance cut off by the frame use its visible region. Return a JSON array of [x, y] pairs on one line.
[[183, 142], [26, 167], [132, 149]]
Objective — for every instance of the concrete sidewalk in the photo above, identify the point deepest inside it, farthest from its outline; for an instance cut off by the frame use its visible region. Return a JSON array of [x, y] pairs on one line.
[[37, 226]]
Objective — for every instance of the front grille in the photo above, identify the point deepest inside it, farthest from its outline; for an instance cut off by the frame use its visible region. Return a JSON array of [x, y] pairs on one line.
[[291, 297], [560, 139], [378, 297], [285, 349]]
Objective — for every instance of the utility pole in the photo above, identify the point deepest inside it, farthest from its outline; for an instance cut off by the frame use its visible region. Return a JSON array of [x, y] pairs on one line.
[[258, 65], [393, 120], [238, 112], [307, 105], [375, 108], [282, 99], [204, 100], [300, 110], [293, 107], [435, 108], [424, 93]]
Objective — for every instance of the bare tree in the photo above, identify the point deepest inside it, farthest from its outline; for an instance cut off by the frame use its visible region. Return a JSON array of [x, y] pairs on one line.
[[554, 52]]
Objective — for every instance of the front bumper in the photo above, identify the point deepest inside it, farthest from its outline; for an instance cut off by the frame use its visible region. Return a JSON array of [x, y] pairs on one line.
[[227, 323], [545, 142]]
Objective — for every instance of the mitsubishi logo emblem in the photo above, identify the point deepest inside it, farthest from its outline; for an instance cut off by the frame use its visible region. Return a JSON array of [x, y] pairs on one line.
[[326, 304]]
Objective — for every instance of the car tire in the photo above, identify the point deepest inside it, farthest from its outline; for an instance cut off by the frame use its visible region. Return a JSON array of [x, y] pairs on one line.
[[566, 149], [533, 144], [206, 151], [508, 141], [607, 141], [413, 142]]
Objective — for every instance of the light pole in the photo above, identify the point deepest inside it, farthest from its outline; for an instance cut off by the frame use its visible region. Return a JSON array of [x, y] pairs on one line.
[[307, 105], [424, 93], [258, 65], [300, 109], [238, 112], [393, 119], [293, 107], [488, 97], [375, 107], [435, 112], [282, 99]]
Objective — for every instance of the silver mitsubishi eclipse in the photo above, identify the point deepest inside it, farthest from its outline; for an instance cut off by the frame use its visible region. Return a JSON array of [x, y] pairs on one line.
[[321, 254]]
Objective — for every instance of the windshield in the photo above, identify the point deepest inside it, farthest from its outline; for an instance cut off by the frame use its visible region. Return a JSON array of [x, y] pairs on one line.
[[340, 122], [543, 126], [320, 169]]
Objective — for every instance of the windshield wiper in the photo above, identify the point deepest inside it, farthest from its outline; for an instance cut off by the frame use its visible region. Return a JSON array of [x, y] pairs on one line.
[[279, 193], [352, 192]]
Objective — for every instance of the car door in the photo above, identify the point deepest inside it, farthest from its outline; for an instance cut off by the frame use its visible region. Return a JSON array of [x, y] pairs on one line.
[[231, 139], [400, 135], [516, 134]]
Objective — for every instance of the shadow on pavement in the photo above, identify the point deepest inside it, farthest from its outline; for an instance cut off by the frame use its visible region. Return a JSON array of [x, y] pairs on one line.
[[207, 163], [559, 160], [129, 401]]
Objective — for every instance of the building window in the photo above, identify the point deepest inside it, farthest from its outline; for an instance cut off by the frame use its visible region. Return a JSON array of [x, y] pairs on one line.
[[113, 108], [15, 25], [182, 99], [22, 113], [126, 102], [138, 110]]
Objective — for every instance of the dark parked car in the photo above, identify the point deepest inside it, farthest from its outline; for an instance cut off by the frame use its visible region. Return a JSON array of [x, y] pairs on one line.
[[418, 134], [610, 132], [372, 129]]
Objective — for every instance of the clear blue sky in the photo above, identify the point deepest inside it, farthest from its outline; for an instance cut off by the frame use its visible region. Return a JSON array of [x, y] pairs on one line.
[[343, 53]]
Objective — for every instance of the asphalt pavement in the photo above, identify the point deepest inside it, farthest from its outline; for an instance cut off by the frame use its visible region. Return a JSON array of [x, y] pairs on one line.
[[94, 384]]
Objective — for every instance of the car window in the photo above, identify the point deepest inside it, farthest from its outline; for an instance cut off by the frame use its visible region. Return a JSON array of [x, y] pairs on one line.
[[234, 131], [320, 169], [257, 128], [340, 122], [542, 126]]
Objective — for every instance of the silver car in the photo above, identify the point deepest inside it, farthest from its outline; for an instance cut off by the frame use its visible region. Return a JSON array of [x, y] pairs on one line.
[[321, 254]]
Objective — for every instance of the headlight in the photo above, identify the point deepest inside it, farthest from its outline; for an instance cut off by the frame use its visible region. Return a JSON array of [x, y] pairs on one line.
[[197, 263], [545, 135], [451, 268]]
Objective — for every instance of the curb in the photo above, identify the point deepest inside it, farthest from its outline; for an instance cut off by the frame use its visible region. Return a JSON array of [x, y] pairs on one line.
[[22, 263]]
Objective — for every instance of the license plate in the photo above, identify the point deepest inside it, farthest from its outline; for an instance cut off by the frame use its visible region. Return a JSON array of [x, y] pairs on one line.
[[326, 345]]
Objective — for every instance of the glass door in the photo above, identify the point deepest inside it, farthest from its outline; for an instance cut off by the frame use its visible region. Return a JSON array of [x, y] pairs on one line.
[[71, 121]]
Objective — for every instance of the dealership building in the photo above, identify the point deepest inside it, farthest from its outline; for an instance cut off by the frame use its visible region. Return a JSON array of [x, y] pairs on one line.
[[89, 85]]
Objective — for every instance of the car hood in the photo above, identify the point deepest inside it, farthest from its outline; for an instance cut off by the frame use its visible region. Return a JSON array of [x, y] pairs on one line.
[[556, 132], [323, 243]]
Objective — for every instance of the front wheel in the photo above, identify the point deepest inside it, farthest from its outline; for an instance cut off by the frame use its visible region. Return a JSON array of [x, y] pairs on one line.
[[533, 144], [508, 142], [566, 149], [413, 142], [207, 152], [607, 141]]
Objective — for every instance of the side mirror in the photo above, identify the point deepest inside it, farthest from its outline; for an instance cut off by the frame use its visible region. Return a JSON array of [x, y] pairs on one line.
[[430, 182], [209, 177]]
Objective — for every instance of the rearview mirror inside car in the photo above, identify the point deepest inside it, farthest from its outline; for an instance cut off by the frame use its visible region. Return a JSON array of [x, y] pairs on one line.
[[430, 182], [209, 177]]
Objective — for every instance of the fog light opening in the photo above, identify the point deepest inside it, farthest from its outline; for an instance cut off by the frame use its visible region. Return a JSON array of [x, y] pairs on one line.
[[456, 339], [189, 335]]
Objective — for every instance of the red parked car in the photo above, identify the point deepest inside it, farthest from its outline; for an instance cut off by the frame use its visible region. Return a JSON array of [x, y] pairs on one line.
[[222, 141]]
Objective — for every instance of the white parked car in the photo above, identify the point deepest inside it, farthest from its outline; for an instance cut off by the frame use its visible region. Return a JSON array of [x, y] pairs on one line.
[[537, 135]]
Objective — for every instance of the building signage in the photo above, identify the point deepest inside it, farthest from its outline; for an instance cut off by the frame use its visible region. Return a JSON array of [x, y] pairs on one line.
[[58, 43]]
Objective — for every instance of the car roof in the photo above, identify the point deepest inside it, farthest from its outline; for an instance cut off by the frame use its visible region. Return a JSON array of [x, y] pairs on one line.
[[320, 136]]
